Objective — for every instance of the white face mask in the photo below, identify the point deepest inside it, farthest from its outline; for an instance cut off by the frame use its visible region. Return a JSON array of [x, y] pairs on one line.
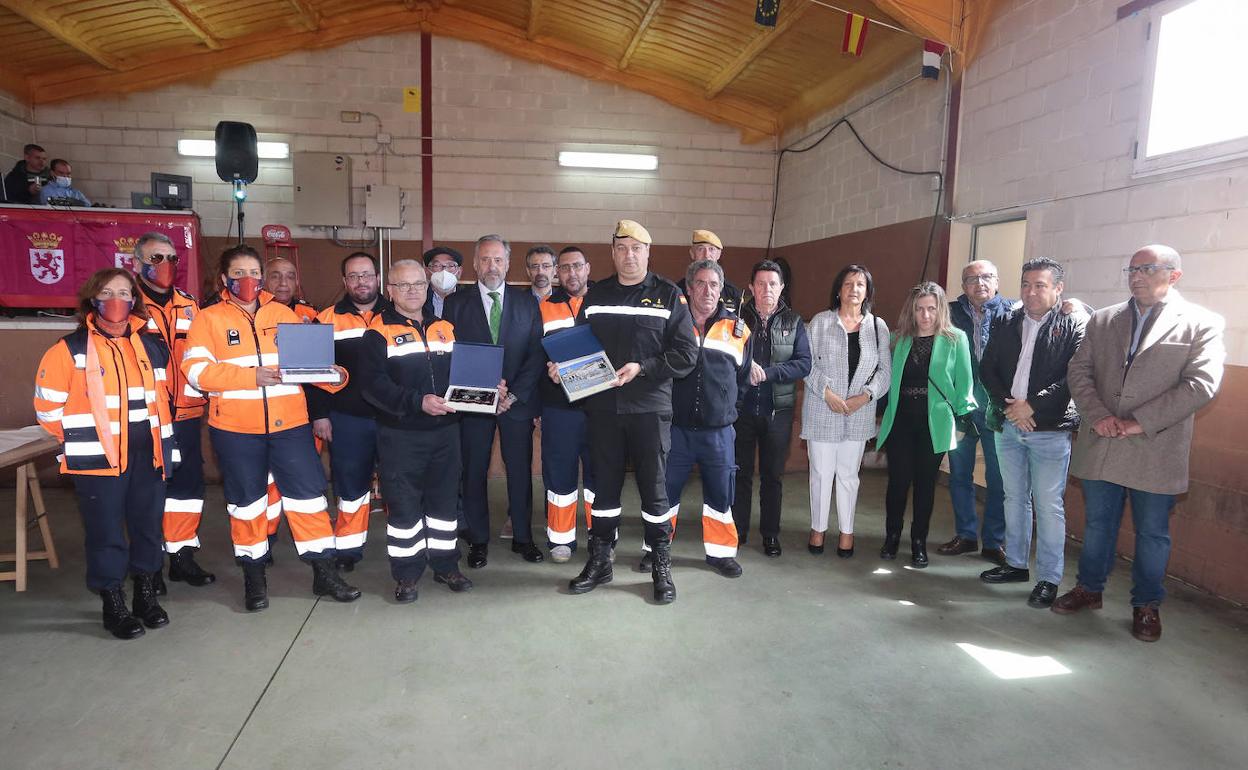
[[443, 281], [64, 181]]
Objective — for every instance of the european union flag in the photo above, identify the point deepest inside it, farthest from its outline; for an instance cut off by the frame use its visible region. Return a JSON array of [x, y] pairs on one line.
[[766, 11]]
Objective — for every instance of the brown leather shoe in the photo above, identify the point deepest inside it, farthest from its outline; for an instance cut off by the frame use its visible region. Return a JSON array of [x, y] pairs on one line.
[[1076, 599], [958, 546], [1146, 623], [994, 555]]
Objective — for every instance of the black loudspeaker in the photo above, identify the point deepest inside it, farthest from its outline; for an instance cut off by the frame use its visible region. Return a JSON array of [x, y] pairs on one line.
[[236, 152]]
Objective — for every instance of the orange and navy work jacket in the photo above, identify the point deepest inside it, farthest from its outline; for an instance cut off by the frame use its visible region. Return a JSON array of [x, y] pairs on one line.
[[171, 318], [224, 347], [92, 390], [559, 311], [349, 324], [403, 361], [707, 396], [304, 310]]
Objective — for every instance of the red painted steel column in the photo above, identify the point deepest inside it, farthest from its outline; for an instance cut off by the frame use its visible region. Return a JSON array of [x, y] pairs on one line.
[[426, 142]]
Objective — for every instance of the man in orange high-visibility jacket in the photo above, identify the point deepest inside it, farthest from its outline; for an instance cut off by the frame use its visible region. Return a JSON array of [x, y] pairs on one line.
[[344, 420], [257, 424], [170, 312], [281, 279], [565, 440], [704, 407]]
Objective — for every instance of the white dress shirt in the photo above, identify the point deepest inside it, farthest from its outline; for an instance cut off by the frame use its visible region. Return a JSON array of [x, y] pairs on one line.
[[487, 302], [1022, 374]]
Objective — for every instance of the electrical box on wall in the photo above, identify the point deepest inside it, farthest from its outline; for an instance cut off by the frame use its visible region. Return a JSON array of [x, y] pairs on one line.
[[383, 206], [322, 188]]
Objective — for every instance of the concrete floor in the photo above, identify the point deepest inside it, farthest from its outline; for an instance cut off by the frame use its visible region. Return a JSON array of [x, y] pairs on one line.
[[804, 662]]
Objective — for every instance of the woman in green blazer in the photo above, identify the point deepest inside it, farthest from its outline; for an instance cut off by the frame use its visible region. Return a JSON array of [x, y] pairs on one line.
[[930, 388]]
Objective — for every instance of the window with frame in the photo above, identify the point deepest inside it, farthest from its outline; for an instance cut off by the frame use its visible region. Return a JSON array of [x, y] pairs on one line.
[[1193, 110]]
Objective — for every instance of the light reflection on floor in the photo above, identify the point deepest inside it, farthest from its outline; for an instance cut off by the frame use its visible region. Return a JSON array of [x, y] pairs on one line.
[[1011, 665]]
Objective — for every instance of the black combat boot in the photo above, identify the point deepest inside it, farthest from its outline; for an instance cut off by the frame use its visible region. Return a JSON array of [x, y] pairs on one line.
[[597, 570], [327, 582], [183, 568], [661, 573], [255, 587], [117, 618], [146, 607]]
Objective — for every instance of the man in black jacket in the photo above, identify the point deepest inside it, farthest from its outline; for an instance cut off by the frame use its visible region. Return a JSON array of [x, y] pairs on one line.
[[780, 357], [1024, 373], [643, 323], [491, 312], [24, 183]]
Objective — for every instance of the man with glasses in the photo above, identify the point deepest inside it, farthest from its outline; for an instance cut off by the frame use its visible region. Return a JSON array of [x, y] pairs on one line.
[[444, 266], [1145, 367], [539, 263], [565, 441], [405, 367], [170, 312], [344, 420], [493, 313], [977, 312]]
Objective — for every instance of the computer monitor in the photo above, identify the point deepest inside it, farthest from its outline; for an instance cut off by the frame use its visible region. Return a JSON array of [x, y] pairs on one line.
[[171, 191]]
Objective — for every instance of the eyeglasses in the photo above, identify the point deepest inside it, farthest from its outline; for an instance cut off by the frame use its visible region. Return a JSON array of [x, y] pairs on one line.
[[358, 277], [1148, 270], [157, 258], [438, 267], [981, 278], [570, 267], [405, 287]]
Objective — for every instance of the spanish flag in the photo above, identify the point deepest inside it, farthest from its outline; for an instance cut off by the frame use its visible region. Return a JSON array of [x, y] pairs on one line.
[[855, 34]]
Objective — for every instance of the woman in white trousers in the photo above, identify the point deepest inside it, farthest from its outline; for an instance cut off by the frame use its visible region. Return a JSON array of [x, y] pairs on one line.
[[850, 372]]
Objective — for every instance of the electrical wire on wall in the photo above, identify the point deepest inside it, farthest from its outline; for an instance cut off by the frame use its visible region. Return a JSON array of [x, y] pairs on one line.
[[775, 193]]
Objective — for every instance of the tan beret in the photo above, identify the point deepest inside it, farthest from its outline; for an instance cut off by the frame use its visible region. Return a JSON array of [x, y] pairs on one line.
[[627, 228], [706, 236]]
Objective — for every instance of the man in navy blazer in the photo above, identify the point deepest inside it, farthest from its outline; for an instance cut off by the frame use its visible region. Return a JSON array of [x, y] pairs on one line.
[[517, 326]]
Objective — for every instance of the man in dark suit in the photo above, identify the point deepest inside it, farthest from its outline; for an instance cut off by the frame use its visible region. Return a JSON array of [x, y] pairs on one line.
[[492, 312]]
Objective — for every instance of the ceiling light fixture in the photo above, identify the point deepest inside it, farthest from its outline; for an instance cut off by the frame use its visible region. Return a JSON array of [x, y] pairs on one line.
[[207, 148], [610, 160]]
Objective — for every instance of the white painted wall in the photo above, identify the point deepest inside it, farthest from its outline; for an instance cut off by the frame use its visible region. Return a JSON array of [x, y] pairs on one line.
[[1051, 110], [837, 188], [498, 121]]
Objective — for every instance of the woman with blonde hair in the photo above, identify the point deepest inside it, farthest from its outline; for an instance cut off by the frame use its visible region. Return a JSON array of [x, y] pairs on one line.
[[929, 394]]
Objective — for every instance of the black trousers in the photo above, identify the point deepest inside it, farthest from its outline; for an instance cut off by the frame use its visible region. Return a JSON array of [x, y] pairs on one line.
[[645, 439], [516, 447], [119, 508], [769, 436], [419, 473], [911, 463]]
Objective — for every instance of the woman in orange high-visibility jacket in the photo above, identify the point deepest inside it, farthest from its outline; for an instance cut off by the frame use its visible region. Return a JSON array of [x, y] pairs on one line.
[[103, 390], [258, 424]]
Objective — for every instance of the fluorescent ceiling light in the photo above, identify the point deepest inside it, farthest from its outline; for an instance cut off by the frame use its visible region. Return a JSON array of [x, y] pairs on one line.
[[614, 160], [207, 148]]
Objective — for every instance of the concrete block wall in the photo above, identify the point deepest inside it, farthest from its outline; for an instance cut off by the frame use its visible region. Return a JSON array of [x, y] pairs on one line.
[[837, 188], [16, 130], [1051, 112], [498, 124]]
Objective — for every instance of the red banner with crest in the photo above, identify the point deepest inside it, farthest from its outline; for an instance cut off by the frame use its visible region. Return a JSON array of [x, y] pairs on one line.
[[46, 254]]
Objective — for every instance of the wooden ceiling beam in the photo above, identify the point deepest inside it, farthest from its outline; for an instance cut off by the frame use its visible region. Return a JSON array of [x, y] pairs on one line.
[[639, 33], [33, 12], [535, 16], [309, 18], [754, 49], [193, 23]]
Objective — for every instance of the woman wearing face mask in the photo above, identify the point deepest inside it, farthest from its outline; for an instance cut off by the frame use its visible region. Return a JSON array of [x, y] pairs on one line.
[[257, 424], [930, 390], [103, 391], [61, 191]]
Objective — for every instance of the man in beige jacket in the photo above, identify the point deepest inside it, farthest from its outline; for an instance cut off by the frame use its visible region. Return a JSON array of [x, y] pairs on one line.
[[1144, 369]]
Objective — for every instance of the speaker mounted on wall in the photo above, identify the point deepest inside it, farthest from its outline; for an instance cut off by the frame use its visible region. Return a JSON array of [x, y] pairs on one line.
[[237, 159]]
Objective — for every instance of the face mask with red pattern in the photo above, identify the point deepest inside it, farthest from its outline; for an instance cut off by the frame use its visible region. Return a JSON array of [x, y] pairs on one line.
[[244, 289], [113, 310]]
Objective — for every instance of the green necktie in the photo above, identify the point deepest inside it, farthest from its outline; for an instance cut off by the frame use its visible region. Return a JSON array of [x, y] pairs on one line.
[[496, 316]]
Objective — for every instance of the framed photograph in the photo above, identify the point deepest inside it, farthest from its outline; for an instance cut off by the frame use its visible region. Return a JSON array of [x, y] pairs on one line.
[[587, 375]]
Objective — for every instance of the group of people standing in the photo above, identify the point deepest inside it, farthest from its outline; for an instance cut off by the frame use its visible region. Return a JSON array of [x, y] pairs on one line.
[[704, 377]]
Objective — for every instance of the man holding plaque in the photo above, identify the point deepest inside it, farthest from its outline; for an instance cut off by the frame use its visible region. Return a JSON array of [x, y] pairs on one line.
[[643, 323], [493, 313], [565, 440]]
